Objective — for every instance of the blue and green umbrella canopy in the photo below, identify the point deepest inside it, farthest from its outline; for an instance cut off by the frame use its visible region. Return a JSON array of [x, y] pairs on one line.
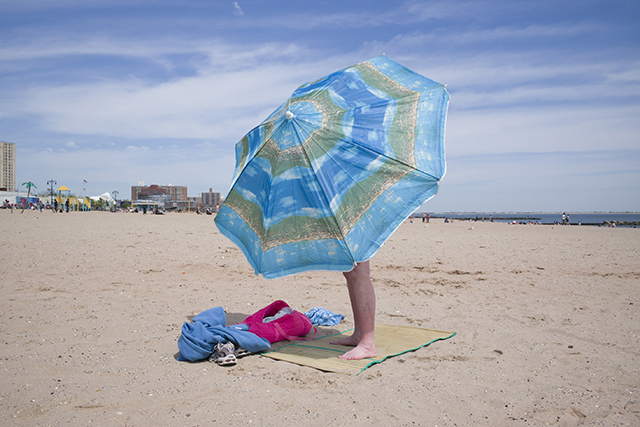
[[324, 181]]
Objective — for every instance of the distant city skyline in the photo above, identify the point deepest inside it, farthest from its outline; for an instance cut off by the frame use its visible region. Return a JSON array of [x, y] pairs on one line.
[[544, 95]]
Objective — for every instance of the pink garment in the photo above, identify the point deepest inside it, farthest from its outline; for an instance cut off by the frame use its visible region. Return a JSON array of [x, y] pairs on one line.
[[287, 327]]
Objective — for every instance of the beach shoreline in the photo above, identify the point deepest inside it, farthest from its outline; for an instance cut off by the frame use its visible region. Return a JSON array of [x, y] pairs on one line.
[[92, 304]]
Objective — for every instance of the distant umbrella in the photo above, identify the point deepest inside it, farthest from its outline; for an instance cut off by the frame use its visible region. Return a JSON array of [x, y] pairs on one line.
[[324, 181]]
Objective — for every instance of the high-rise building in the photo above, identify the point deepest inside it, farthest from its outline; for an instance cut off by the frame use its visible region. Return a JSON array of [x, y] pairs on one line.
[[8, 162]]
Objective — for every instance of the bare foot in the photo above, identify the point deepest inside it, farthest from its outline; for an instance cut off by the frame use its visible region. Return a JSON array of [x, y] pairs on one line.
[[352, 341], [359, 352]]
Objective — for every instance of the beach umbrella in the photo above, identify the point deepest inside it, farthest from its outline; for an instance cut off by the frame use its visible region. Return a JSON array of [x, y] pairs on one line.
[[324, 181]]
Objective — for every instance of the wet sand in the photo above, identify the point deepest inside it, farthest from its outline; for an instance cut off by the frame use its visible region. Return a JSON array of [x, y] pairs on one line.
[[92, 304]]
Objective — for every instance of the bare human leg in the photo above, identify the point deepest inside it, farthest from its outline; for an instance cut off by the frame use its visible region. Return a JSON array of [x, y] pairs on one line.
[[363, 304]]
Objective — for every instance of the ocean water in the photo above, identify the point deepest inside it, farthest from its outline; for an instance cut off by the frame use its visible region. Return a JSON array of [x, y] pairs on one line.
[[583, 218]]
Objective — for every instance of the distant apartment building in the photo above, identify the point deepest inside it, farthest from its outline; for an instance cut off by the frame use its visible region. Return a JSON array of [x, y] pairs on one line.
[[8, 170], [166, 193], [211, 199]]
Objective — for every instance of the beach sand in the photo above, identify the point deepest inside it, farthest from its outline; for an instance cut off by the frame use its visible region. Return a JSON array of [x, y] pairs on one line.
[[92, 305]]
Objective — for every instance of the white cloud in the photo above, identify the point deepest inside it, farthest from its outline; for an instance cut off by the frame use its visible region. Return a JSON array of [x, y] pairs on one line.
[[547, 129], [237, 10], [539, 182], [214, 104]]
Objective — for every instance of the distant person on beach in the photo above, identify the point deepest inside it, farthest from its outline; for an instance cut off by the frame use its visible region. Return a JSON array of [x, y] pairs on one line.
[[66, 205]]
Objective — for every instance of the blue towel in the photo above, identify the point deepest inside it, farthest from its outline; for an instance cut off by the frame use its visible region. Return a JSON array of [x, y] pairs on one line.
[[199, 338], [323, 317]]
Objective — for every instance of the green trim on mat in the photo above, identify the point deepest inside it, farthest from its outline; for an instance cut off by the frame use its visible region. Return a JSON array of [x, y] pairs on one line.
[[402, 352], [373, 361]]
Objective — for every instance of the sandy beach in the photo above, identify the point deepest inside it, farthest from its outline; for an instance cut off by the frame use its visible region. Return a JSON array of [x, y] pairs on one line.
[[92, 305]]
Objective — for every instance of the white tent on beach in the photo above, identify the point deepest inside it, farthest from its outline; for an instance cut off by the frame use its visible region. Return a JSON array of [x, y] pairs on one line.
[[106, 197]]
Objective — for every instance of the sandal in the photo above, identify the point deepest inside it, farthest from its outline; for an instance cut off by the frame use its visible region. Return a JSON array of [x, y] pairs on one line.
[[241, 352], [223, 354]]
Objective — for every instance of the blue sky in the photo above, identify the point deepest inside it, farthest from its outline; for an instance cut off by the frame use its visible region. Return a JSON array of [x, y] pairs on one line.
[[545, 95]]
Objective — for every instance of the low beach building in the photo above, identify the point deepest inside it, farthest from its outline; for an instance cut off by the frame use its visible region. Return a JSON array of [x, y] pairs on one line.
[[172, 193]]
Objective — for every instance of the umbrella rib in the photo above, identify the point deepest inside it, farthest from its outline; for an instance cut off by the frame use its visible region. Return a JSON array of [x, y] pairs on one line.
[[323, 193], [371, 150], [273, 168], [408, 168]]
